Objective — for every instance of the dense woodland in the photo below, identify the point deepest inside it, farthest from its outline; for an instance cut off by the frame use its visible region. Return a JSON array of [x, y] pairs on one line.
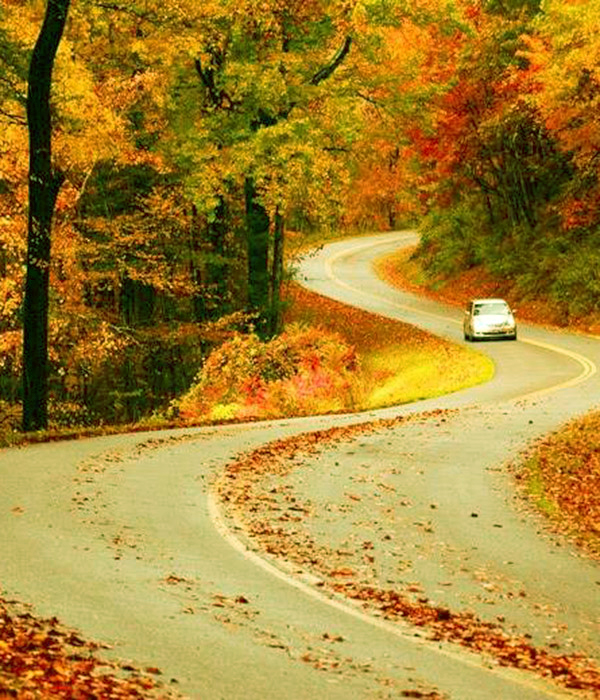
[[193, 143]]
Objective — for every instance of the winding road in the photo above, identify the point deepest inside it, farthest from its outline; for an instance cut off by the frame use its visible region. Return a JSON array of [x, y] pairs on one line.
[[123, 538]]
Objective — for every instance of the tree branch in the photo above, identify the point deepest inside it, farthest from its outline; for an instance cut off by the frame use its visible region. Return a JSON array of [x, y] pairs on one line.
[[218, 97], [328, 70], [14, 118], [208, 80], [369, 99]]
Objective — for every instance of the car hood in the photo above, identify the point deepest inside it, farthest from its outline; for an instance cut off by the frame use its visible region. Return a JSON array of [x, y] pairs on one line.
[[493, 320]]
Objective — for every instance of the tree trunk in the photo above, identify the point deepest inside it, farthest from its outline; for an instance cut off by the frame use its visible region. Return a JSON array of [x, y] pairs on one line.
[[216, 265], [44, 185], [276, 276], [257, 231], [137, 301], [209, 264]]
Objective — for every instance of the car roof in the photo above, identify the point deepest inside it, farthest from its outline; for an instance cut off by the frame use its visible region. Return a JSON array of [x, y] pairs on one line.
[[489, 301]]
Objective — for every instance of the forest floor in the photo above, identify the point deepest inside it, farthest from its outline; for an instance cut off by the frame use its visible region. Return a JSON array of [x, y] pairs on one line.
[[561, 474]]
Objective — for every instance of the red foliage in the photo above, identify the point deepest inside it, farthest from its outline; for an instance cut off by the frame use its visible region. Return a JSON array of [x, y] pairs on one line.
[[304, 370]]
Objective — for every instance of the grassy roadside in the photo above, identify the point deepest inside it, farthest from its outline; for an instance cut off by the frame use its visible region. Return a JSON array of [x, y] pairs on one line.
[[401, 270], [331, 358], [560, 475], [400, 363]]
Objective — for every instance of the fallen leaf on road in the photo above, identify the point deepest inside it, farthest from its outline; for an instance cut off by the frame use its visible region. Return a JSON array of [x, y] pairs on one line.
[[41, 659]]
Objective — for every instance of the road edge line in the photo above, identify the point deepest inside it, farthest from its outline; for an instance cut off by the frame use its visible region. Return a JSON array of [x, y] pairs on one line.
[[518, 677]]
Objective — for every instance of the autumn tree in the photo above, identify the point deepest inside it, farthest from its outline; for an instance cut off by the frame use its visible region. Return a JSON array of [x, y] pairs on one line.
[[491, 166], [44, 185], [13, 172], [92, 96], [393, 94], [504, 149], [264, 73], [563, 51]]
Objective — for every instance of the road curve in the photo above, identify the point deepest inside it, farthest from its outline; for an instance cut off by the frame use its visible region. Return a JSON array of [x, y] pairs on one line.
[[121, 537]]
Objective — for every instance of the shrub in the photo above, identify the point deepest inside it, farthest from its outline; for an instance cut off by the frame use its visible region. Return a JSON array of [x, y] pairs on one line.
[[303, 370], [577, 283]]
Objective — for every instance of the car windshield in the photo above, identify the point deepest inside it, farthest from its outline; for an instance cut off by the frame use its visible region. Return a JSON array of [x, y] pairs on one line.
[[490, 308]]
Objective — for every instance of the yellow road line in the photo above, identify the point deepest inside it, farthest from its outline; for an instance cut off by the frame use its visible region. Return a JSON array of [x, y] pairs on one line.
[[588, 371], [589, 367]]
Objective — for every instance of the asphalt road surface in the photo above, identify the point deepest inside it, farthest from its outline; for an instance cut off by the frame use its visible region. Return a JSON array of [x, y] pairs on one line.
[[123, 538]]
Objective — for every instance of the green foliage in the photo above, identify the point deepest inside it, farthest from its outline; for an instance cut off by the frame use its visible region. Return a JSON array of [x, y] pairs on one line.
[[452, 239], [142, 378], [14, 62], [575, 283], [256, 127], [113, 191], [541, 263], [536, 488], [114, 376], [513, 8]]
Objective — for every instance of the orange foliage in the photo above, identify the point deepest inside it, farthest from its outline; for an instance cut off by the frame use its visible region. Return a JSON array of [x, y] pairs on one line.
[[303, 371], [40, 658]]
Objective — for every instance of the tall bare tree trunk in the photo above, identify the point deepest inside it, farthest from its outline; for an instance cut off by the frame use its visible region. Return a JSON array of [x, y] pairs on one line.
[[44, 185]]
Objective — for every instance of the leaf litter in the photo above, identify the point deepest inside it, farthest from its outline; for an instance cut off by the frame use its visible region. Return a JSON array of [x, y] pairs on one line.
[[240, 489], [41, 659]]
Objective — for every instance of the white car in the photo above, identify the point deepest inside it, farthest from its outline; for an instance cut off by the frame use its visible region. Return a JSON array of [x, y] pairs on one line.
[[489, 318]]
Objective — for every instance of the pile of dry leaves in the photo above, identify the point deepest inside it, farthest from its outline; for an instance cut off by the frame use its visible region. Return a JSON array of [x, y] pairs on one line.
[[41, 659]]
